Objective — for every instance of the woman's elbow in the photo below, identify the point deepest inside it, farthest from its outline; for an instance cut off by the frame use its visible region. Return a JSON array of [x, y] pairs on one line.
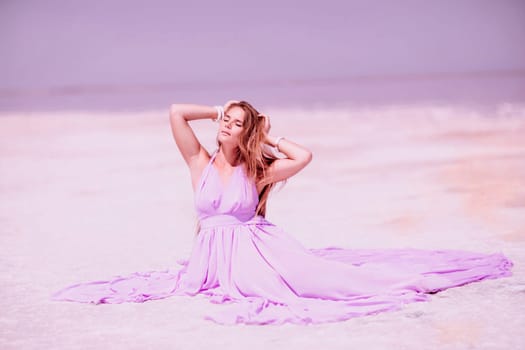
[[174, 109], [307, 158], [175, 115]]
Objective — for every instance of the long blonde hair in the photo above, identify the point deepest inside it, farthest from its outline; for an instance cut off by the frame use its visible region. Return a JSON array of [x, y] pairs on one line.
[[252, 153]]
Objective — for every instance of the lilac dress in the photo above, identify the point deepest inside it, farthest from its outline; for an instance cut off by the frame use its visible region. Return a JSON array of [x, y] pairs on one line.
[[262, 275]]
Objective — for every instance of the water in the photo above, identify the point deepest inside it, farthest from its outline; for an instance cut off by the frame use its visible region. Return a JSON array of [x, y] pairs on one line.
[[471, 89]]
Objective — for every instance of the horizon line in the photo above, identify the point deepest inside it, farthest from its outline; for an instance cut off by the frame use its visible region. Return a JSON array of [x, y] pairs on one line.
[[82, 89]]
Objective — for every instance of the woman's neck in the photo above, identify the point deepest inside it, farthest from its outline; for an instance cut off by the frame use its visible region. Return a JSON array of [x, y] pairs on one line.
[[229, 155]]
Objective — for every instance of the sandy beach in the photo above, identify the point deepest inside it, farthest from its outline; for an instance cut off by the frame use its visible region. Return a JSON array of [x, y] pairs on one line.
[[86, 196]]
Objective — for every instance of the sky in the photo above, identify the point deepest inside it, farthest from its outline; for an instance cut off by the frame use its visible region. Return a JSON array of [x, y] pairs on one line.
[[87, 44]]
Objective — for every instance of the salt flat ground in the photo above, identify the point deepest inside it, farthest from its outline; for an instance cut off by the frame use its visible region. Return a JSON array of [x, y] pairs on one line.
[[86, 196]]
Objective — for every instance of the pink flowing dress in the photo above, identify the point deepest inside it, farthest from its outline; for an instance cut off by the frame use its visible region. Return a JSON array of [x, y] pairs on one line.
[[263, 275]]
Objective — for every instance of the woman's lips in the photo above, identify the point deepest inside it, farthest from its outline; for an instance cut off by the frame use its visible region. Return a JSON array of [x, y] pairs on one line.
[[225, 132]]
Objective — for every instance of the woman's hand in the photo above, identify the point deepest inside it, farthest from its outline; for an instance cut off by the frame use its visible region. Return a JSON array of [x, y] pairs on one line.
[[267, 124]]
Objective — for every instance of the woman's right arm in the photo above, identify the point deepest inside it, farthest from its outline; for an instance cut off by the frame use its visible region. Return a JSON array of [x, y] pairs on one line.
[[188, 144]]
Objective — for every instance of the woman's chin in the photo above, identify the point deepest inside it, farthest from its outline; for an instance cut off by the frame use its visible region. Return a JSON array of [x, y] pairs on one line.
[[227, 139]]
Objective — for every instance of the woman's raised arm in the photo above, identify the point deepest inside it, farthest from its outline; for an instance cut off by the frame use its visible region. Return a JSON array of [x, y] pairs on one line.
[[188, 144], [297, 155]]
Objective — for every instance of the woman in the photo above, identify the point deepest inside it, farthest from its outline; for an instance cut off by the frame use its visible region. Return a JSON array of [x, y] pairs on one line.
[[259, 271]]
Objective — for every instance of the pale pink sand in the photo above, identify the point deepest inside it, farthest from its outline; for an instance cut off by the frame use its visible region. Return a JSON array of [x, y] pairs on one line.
[[87, 197]]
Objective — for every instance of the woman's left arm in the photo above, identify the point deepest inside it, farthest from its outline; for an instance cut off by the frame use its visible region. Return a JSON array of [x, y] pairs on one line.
[[297, 157]]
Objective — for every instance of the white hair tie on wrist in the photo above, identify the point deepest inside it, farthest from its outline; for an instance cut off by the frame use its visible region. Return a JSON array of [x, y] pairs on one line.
[[277, 142], [220, 113]]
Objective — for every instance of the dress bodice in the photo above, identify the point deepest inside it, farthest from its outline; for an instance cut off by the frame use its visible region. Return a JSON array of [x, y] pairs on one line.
[[238, 197]]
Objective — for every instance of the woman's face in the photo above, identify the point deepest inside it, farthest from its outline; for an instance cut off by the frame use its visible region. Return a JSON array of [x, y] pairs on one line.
[[231, 126]]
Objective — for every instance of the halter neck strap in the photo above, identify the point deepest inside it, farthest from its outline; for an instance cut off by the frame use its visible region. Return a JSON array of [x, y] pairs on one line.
[[213, 155]]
